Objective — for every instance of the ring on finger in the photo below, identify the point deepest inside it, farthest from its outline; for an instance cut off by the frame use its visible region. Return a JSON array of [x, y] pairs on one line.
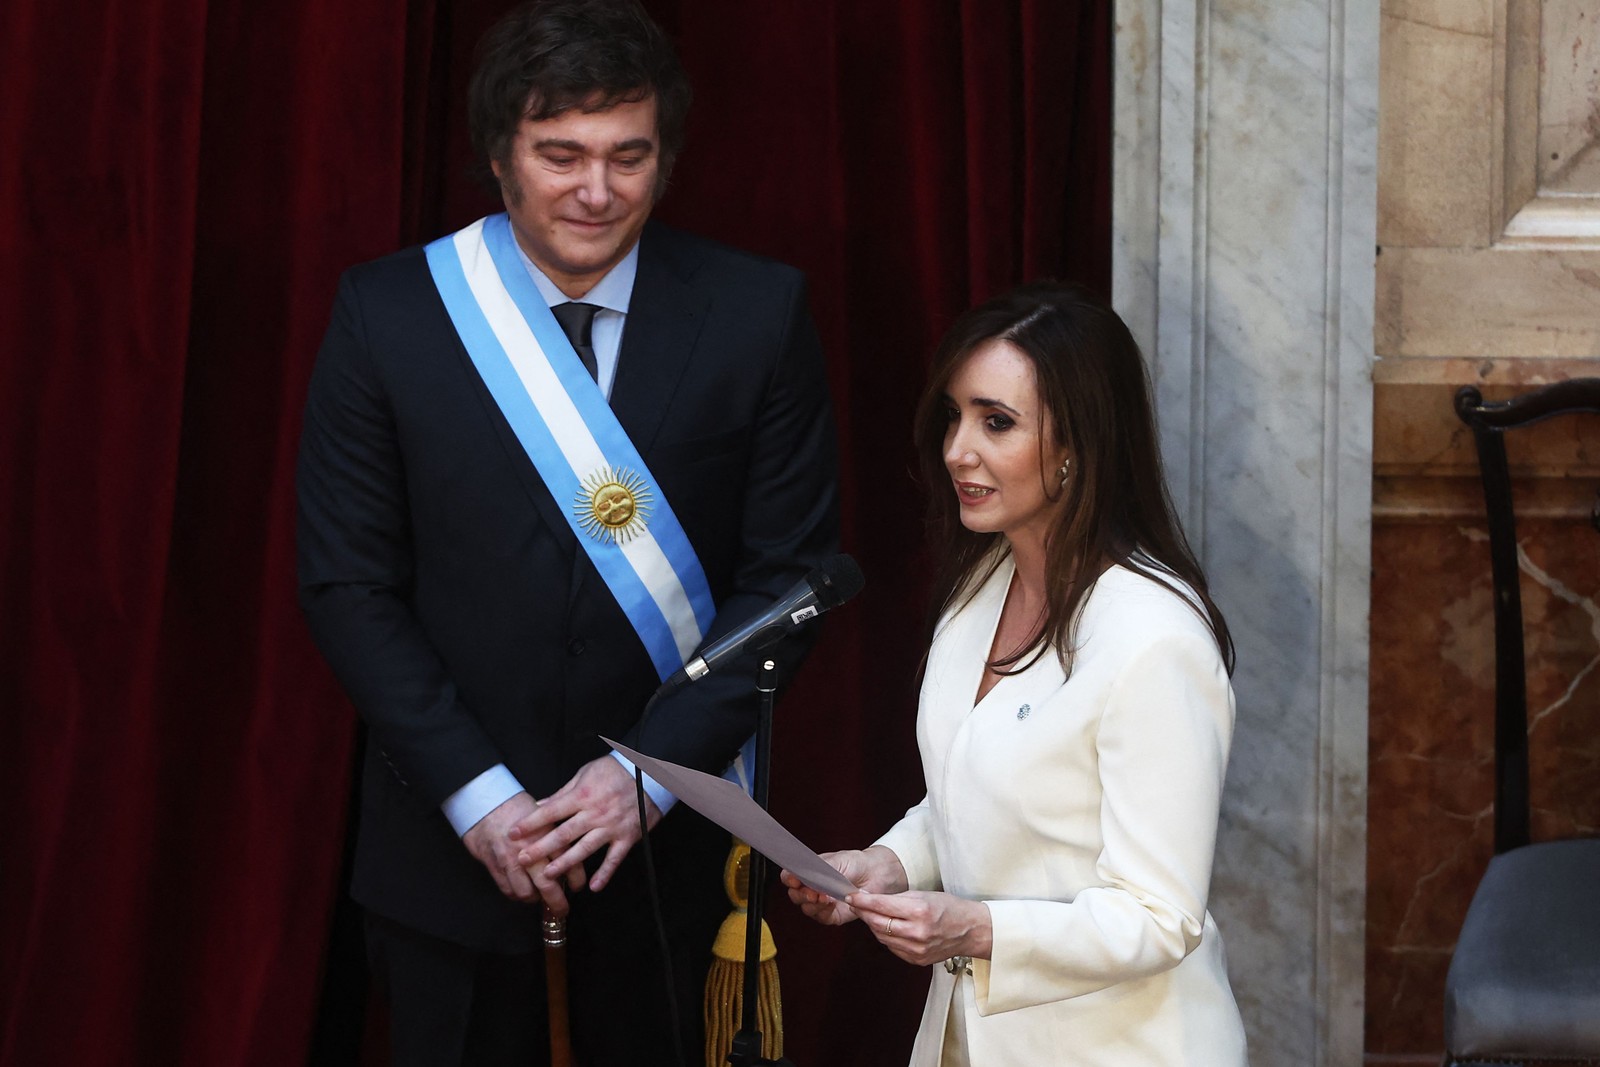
[[888, 928]]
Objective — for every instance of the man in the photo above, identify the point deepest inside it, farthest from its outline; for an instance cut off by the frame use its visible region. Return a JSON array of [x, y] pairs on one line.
[[510, 531]]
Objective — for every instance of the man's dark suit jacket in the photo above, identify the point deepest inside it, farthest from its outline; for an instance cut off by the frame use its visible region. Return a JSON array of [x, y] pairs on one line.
[[455, 604]]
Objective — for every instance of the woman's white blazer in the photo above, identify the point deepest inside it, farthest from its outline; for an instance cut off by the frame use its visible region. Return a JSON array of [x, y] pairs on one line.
[[1083, 811]]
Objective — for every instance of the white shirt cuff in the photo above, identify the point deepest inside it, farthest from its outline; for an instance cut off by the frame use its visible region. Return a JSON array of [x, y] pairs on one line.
[[467, 806], [652, 789]]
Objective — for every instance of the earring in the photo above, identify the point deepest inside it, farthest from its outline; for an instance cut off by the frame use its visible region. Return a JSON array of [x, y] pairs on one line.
[[1064, 471]]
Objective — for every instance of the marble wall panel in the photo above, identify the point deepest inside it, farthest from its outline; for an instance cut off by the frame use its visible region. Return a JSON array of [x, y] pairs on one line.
[[1514, 94], [1434, 132], [1416, 431], [1474, 17], [1569, 98], [1503, 302], [1245, 176], [1482, 101]]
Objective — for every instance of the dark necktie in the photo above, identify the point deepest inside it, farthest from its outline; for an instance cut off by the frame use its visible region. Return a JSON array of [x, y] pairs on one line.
[[577, 322]]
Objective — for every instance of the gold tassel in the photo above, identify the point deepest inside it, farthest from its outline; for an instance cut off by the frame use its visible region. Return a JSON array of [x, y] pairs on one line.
[[725, 983]]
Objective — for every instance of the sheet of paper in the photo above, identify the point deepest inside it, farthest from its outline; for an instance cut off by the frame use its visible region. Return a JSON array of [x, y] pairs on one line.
[[725, 804]]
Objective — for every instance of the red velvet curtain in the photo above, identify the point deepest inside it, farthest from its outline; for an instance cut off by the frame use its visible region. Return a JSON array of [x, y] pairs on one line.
[[183, 182]]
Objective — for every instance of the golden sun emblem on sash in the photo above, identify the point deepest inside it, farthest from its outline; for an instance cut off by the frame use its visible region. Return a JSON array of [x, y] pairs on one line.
[[613, 505]]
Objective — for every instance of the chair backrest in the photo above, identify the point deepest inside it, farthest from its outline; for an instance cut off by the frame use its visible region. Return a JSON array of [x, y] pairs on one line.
[[1489, 422]]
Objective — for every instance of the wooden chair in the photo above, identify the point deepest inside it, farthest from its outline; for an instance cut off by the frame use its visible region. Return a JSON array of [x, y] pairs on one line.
[[1524, 983]]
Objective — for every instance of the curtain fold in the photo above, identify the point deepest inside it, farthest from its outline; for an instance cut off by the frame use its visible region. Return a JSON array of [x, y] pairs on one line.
[[187, 180], [99, 193]]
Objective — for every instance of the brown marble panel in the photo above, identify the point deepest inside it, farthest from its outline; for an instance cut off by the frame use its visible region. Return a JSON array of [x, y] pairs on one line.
[[1562, 621], [1430, 780]]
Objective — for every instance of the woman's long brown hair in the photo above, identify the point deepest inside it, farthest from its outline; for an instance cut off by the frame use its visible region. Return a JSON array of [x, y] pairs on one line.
[[1093, 381]]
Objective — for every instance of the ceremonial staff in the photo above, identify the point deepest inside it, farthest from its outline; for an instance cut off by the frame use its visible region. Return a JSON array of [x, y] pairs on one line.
[[555, 981]]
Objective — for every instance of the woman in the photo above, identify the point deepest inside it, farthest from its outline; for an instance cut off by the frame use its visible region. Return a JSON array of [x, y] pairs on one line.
[[1074, 720]]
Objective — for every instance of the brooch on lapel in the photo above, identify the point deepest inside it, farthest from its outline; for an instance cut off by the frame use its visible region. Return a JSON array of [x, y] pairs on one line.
[[1022, 712]]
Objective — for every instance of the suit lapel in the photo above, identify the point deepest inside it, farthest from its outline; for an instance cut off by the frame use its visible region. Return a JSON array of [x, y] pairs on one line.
[[538, 493], [665, 315]]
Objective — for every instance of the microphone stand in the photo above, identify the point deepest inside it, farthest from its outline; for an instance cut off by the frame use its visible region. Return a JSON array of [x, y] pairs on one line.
[[746, 1048]]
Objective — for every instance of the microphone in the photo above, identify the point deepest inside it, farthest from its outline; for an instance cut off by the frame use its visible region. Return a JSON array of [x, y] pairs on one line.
[[837, 580]]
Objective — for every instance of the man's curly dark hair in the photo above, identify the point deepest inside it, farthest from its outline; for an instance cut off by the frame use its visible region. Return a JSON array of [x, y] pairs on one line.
[[550, 56]]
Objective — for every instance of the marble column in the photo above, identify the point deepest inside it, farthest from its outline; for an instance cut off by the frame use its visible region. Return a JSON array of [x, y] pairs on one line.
[[1245, 148]]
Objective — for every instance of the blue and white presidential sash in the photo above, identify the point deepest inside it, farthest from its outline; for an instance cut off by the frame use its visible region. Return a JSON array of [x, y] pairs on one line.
[[558, 413]]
